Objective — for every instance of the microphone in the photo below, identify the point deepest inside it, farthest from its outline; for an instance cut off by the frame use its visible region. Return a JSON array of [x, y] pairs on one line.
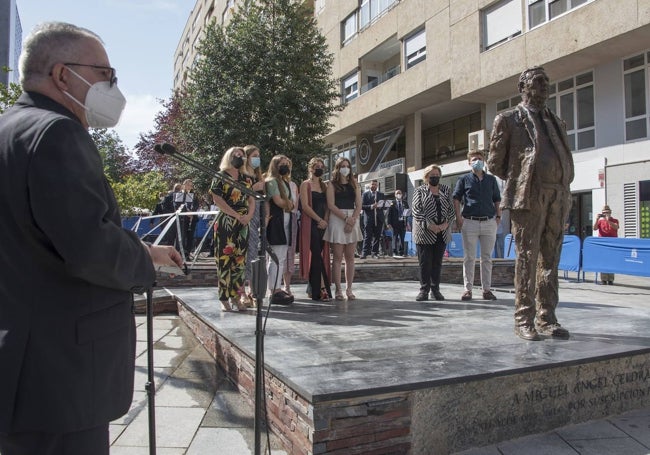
[[165, 148], [168, 149]]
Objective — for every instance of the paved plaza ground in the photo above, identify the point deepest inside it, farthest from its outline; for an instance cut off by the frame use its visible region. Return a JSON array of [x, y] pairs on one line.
[[199, 411]]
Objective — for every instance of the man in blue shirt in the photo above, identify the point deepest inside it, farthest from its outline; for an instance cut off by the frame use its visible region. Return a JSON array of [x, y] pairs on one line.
[[479, 194]]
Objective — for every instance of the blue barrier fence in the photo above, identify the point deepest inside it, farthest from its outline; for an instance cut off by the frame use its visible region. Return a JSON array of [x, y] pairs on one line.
[[616, 255], [146, 226], [628, 256]]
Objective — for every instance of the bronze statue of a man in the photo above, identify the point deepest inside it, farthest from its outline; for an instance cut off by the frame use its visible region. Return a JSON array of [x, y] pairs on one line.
[[529, 149]]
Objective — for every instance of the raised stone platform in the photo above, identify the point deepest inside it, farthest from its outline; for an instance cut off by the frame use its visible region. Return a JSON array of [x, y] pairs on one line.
[[203, 272], [386, 374]]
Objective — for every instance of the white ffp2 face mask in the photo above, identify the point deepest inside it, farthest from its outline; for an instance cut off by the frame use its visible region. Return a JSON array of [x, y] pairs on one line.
[[104, 104], [345, 171]]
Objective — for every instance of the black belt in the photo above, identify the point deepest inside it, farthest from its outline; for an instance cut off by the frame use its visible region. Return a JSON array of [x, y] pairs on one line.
[[477, 218]]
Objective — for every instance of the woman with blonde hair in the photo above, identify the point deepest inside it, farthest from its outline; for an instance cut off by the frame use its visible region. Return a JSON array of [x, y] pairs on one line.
[[231, 227], [279, 224], [314, 250], [433, 212], [343, 232], [253, 169]]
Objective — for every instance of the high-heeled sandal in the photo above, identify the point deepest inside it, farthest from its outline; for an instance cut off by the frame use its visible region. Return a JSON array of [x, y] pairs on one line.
[[339, 295], [350, 295], [226, 305], [324, 296]]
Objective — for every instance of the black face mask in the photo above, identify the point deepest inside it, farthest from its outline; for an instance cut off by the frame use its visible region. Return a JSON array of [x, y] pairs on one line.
[[434, 180], [284, 169], [318, 172], [237, 162]]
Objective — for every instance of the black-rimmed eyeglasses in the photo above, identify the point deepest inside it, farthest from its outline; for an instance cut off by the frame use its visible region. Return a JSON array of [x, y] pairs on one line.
[[112, 79]]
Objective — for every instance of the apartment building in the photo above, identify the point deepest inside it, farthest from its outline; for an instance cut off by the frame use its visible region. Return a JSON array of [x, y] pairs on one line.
[[11, 37], [422, 81], [186, 54]]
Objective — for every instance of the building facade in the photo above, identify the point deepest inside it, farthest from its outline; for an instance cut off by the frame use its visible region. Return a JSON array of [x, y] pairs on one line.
[[422, 81], [11, 37], [203, 13]]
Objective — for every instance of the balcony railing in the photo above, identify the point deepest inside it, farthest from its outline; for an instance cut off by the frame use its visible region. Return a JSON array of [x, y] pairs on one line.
[[392, 72]]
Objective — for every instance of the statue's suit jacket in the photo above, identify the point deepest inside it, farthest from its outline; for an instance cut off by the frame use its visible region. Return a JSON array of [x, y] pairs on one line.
[[513, 155], [68, 270]]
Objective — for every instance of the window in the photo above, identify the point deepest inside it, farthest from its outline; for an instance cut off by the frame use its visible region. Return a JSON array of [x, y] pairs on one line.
[[447, 140], [501, 22], [635, 82], [371, 10], [349, 28], [415, 48], [573, 101], [509, 103], [350, 87], [540, 11]]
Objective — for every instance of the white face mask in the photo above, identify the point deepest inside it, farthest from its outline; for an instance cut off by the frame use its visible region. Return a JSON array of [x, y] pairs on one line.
[[345, 171], [104, 104], [398, 197]]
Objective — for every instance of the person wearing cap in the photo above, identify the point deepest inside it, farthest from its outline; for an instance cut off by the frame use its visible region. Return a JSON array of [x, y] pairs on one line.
[[607, 226], [529, 149]]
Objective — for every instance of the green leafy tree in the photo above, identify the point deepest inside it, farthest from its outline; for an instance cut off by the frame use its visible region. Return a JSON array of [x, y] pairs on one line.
[[137, 193], [113, 152], [8, 93], [265, 79]]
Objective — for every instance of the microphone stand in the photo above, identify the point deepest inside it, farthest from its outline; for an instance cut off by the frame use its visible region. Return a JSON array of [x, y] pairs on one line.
[[259, 277], [150, 384]]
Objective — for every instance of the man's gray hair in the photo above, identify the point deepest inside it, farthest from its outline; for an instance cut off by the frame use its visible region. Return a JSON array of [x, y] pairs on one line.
[[47, 44]]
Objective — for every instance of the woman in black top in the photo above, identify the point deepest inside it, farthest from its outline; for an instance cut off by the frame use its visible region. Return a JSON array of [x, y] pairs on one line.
[[343, 232], [314, 251], [433, 211]]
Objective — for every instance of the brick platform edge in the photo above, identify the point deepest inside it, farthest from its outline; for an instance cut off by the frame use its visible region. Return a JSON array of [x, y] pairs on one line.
[[376, 424]]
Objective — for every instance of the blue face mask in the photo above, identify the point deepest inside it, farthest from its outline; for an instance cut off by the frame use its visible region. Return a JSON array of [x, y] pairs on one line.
[[478, 165], [255, 162]]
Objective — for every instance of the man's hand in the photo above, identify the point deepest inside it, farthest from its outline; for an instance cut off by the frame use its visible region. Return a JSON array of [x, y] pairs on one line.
[[165, 255]]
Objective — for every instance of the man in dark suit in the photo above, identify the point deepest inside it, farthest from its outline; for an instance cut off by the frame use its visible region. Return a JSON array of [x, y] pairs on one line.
[[67, 332], [397, 222], [163, 207], [374, 215], [186, 201], [530, 150]]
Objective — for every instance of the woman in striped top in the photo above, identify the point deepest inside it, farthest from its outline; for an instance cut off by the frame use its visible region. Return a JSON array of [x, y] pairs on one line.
[[433, 212]]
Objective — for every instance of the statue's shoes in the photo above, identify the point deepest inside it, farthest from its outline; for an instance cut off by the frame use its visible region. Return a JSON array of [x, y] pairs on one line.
[[553, 330], [527, 332]]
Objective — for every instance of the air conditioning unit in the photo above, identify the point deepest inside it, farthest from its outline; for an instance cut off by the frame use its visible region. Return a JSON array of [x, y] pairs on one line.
[[477, 140]]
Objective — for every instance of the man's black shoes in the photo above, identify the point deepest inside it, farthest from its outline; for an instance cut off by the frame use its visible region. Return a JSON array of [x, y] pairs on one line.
[[422, 296], [435, 294]]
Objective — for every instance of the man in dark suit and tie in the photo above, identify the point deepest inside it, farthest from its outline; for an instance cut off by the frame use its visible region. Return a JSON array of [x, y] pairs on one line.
[[530, 150], [374, 215], [67, 332], [397, 222]]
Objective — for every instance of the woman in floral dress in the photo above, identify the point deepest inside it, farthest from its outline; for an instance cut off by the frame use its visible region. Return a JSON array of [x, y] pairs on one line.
[[231, 227]]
